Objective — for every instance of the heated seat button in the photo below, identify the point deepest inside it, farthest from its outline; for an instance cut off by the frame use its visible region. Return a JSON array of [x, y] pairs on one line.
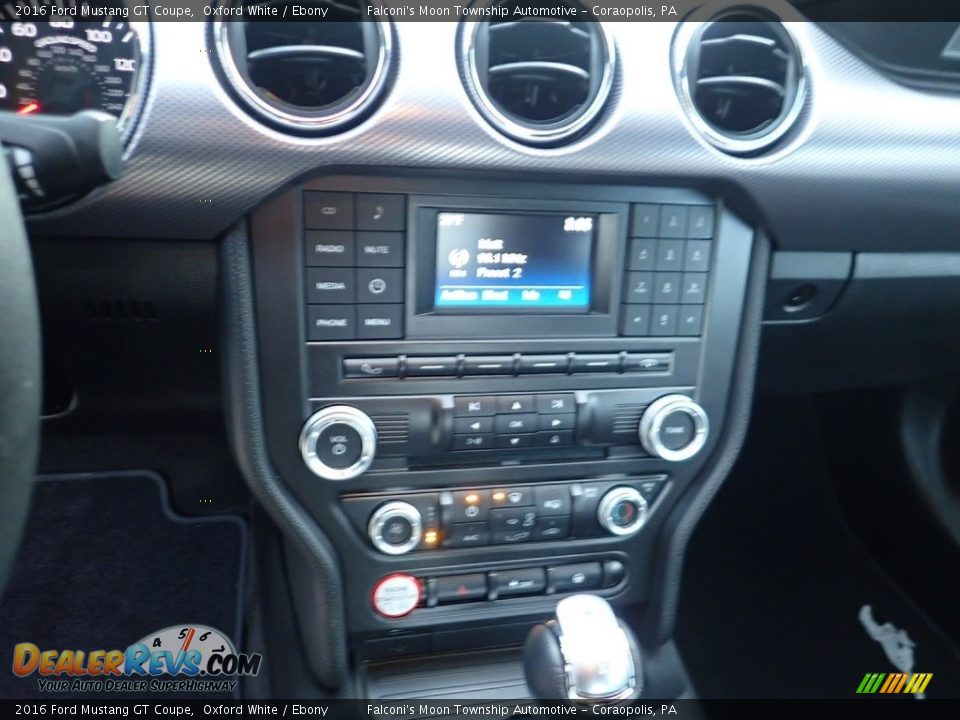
[[467, 535], [578, 576], [528, 581], [512, 519], [459, 588], [339, 446]]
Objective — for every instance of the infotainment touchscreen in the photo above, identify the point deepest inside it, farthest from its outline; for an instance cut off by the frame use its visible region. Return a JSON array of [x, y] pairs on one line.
[[513, 262]]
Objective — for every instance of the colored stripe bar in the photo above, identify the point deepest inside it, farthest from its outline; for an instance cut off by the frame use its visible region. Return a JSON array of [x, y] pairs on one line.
[[886, 686], [903, 680], [876, 683], [862, 687]]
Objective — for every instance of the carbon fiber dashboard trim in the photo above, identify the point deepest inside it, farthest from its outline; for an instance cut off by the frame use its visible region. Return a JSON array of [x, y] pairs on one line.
[[869, 155]]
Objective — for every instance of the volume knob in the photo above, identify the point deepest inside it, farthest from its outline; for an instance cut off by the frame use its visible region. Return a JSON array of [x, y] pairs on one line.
[[338, 442], [674, 428]]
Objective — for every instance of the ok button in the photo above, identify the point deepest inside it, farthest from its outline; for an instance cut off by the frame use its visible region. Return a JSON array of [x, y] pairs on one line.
[[339, 446]]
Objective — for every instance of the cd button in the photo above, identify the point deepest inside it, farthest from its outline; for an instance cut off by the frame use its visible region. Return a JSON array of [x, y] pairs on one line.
[[328, 210], [431, 366], [515, 404], [513, 424], [534, 364], [596, 363]]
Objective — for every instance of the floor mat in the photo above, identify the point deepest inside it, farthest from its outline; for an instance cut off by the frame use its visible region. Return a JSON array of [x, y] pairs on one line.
[[104, 563], [775, 582]]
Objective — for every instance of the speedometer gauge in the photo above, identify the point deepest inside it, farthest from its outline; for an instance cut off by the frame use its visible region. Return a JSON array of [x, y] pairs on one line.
[[54, 64]]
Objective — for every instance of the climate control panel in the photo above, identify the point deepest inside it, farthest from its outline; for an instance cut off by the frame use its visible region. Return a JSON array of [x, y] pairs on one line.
[[512, 515]]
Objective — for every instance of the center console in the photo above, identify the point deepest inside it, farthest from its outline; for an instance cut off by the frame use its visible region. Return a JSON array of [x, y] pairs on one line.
[[488, 395]]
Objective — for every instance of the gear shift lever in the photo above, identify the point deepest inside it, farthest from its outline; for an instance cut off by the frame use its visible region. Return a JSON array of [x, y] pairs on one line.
[[584, 654]]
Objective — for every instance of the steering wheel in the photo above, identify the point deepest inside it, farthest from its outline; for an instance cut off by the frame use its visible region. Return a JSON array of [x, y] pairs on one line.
[[20, 373]]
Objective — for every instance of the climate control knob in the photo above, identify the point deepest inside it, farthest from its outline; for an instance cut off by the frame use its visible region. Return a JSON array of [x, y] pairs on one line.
[[338, 442], [622, 511], [674, 428], [395, 528]]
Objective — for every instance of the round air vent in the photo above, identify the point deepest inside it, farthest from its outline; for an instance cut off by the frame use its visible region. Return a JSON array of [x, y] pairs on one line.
[[540, 79], [310, 76], [741, 79]]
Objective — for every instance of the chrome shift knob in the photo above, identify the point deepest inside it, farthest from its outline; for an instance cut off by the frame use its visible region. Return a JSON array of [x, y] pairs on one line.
[[585, 654]]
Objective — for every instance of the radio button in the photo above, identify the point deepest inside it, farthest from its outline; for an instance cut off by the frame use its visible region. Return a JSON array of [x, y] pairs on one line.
[[330, 247], [513, 424], [468, 406], [431, 367], [535, 364], [514, 442], [596, 363], [380, 249], [473, 426], [515, 404], [548, 438], [552, 500], [552, 528], [644, 220], [511, 497], [557, 404], [371, 368], [488, 365], [328, 210], [636, 320], [467, 535], [557, 422], [515, 518], [380, 212], [528, 581], [481, 441]]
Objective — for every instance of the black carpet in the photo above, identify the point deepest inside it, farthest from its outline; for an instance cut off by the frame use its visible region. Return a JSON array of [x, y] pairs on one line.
[[775, 580], [104, 563]]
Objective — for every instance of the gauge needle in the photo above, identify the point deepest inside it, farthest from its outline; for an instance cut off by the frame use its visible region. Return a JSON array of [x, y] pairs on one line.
[[28, 108]]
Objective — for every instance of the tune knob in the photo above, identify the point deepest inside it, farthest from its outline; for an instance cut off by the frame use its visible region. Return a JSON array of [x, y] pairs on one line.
[[338, 442], [395, 528], [674, 428], [622, 511]]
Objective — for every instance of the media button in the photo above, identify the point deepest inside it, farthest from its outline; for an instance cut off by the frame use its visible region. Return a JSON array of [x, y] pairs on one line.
[[327, 248], [596, 363], [380, 212], [550, 438], [328, 210], [470, 406], [472, 425], [379, 322], [331, 286], [513, 424], [488, 365], [515, 404], [431, 366], [380, 249], [535, 364], [481, 441], [371, 368]]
